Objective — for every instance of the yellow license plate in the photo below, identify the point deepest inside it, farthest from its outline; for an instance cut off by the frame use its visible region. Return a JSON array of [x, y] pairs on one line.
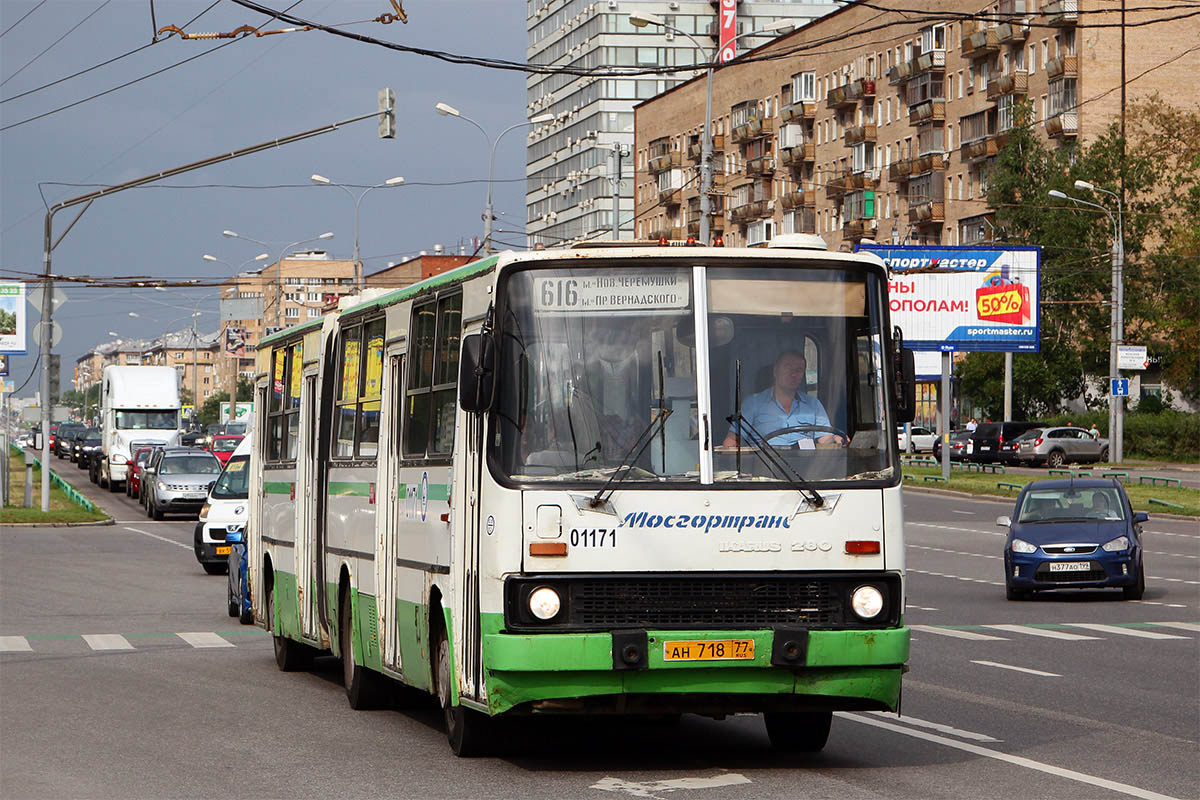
[[710, 650], [222, 551]]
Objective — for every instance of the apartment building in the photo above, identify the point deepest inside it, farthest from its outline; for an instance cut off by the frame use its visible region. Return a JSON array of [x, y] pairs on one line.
[[195, 355], [570, 162], [411, 270], [873, 124]]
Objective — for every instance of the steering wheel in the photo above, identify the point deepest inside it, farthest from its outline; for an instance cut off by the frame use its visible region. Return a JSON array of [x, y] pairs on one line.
[[805, 428]]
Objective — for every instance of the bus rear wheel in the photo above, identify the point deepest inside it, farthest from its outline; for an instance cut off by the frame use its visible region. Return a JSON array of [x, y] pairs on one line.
[[466, 729], [290, 655], [364, 687], [798, 731]]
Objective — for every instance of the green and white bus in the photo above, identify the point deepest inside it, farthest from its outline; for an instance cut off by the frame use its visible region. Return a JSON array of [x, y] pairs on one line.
[[580, 481]]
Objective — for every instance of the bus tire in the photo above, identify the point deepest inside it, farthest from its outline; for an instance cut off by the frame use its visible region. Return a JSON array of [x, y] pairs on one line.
[[365, 688], [798, 731], [466, 729], [290, 655]]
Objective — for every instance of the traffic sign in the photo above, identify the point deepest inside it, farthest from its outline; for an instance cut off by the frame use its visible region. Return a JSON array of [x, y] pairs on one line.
[[1131, 357], [3, 364], [1120, 387], [34, 296], [55, 335]]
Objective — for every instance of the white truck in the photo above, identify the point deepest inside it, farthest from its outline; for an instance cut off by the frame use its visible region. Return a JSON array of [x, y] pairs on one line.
[[137, 405]]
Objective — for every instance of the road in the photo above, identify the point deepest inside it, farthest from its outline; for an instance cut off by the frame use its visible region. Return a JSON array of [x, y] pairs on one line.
[[1004, 699]]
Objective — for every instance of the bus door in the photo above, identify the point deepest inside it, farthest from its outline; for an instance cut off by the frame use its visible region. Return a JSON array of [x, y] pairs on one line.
[[465, 504], [391, 515], [254, 543], [306, 511]]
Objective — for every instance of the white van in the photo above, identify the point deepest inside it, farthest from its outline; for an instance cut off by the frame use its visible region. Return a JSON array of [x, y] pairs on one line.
[[226, 505]]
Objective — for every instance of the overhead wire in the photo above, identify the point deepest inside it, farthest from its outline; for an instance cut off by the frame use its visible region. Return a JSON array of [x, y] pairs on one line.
[[56, 41], [22, 19]]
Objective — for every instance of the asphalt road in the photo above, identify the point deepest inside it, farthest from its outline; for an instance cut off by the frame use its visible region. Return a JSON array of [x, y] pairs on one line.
[[1047, 708]]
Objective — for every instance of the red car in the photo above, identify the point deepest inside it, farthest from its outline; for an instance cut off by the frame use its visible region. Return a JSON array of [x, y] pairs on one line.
[[141, 457], [223, 446]]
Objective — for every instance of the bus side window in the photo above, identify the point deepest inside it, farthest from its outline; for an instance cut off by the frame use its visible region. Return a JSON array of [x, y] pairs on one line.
[[433, 377], [276, 411], [372, 391], [347, 398]]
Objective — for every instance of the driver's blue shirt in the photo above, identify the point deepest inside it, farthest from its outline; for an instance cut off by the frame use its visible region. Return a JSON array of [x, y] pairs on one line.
[[765, 414]]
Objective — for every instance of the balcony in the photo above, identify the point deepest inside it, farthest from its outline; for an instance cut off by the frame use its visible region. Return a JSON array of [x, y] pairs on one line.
[[838, 97], [837, 186], [670, 196], [797, 111], [1061, 13], [899, 170], [981, 43], [696, 150], [1062, 67], [927, 212], [749, 211], [802, 220], [977, 149], [1016, 82], [927, 111], [763, 165], [858, 228], [866, 179], [663, 161], [715, 229], [860, 89], [899, 73], [798, 154], [669, 232], [930, 162], [800, 198], [1065, 124], [933, 61], [1012, 32], [860, 133], [752, 129]]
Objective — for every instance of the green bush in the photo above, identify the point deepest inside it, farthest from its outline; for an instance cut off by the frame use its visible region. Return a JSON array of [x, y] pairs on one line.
[[1162, 436]]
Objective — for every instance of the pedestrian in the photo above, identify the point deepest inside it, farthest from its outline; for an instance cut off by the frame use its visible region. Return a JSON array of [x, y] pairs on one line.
[[972, 425], [1070, 424], [1094, 432]]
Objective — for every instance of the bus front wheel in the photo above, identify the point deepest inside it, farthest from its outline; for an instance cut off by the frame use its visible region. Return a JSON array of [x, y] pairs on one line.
[[465, 727], [798, 731]]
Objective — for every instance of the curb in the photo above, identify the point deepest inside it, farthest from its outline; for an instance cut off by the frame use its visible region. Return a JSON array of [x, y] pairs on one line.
[[1011, 498], [93, 524]]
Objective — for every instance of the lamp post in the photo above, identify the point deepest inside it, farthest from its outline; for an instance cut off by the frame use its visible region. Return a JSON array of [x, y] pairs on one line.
[[1116, 405], [278, 264], [450, 111], [321, 179], [640, 19], [235, 361]]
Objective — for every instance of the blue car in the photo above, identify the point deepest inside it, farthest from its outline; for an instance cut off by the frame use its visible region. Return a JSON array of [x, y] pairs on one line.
[[1073, 534], [239, 588]]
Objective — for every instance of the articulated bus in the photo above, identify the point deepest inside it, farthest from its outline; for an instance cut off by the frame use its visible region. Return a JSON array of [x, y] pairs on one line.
[[631, 480]]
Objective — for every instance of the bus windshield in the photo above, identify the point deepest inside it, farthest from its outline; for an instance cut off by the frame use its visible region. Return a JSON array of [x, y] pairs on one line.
[[166, 420], [601, 369]]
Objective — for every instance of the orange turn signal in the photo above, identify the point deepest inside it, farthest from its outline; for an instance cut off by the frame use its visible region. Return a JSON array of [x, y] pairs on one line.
[[547, 548], [862, 548]]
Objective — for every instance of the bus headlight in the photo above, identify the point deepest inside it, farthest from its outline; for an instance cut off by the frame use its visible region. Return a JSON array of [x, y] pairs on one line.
[[867, 602], [544, 603]]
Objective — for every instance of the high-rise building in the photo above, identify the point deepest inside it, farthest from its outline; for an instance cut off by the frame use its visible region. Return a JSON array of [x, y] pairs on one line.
[[571, 165]]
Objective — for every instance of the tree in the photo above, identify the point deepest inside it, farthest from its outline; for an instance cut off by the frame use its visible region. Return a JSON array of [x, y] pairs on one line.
[[210, 412]]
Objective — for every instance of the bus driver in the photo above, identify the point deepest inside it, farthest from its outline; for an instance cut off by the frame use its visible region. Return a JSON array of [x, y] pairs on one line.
[[784, 405]]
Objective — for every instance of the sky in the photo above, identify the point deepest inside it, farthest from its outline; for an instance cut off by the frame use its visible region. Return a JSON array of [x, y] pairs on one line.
[[253, 90]]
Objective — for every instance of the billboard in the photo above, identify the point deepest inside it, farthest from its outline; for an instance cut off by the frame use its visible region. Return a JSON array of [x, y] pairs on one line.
[[965, 298], [235, 342], [12, 318], [728, 15]]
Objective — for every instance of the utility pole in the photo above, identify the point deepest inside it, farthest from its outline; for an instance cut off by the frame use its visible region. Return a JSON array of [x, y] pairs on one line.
[[617, 153]]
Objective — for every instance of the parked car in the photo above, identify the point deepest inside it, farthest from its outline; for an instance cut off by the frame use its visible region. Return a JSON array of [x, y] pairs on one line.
[[958, 445], [141, 456], [223, 445], [64, 440], [86, 442], [1057, 446], [1080, 534], [923, 439], [996, 441], [226, 508], [177, 480]]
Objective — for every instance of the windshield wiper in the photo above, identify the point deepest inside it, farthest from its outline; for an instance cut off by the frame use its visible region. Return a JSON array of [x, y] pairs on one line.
[[775, 462], [633, 454]]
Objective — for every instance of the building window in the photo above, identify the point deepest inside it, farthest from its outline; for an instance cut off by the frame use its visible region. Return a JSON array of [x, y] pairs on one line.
[[291, 312]]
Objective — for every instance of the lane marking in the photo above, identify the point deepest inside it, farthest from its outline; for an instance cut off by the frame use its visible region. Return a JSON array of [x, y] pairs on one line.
[[1183, 626], [968, 513], [952, 528], [648, 788], [1094, 626], [919, 608], [107, 641], [937, 726], [952, 552], [1172, 555], [953, 577], [160, 538], [1027, 763], [1175, 580], [1156, 603], [1049, 634], [1169, 533], [957, 634], [204, 640], [14, 644], [1026, 670]]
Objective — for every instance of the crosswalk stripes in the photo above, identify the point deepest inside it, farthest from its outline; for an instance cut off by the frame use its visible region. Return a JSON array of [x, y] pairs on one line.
[[107, 641], [1046, 632], [957, 634], [204, 640], [1143, 634], [14, 644], [1183, 626]]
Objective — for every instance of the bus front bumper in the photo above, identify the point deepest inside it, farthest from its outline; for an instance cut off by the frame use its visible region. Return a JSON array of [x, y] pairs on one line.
[[838, 670]]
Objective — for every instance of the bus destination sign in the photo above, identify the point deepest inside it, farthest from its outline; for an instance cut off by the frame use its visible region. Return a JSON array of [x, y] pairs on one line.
[[607, 293]]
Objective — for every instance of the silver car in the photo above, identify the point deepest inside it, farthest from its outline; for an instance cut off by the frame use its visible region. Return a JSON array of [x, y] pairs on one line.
[[178, 480], [1057, 446]]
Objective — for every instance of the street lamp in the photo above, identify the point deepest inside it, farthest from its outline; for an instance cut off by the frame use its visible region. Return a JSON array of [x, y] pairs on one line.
[[235, 360], [278, 263], [321, 179], [450, 111], [1116, 405], [640, 19]]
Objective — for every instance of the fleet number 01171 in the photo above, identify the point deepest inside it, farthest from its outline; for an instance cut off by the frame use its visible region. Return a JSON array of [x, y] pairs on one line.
[[593, 537]]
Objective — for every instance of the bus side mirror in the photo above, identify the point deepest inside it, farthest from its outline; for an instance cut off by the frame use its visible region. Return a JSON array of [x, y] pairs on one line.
[[477, 373], [906, 396]]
